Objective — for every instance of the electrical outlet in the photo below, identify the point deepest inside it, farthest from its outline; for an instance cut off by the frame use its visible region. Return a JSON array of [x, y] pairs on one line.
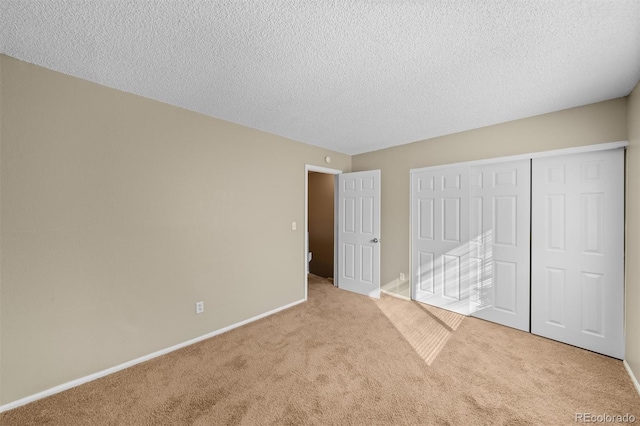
[[199, 307], [401, 276], [294, 226]]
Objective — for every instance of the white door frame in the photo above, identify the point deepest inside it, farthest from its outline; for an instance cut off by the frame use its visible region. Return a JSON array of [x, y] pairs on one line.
[[311, 168], [532, 155]]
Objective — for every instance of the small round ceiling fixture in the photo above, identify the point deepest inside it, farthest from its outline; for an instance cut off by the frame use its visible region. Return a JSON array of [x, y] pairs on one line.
[[327, 159]]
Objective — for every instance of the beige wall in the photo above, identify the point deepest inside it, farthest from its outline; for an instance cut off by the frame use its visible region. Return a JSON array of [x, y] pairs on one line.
[[118, 213], [633, 235], [596, 123], [321, 231]]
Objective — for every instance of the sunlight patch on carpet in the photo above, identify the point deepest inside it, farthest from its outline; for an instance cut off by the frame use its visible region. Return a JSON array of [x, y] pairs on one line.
[[426, 329]]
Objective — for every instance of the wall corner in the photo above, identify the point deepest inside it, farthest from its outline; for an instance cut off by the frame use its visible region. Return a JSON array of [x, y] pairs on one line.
[[632, 233]]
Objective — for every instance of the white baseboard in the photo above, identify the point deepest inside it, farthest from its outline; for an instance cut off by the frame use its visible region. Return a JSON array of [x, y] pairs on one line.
[[396, 295], [634, 379], [99, 374]]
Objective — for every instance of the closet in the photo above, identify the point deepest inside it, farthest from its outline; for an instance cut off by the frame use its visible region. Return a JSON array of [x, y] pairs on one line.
[[530, 242]]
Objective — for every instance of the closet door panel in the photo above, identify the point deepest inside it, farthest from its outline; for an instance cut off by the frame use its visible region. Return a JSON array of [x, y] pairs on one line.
[[440, 241], [578, 250], [470, 243], [501, 228]]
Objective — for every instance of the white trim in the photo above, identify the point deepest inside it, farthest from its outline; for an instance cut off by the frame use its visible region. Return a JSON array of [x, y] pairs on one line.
[[311, 168], [411, 279], [73, 383], [633, 377], [397, 296], [320, 169], [541, 154]]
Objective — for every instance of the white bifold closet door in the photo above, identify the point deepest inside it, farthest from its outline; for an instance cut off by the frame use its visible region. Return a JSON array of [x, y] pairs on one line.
[[471, 240], [440, 226], [500, 243], [577, 290]]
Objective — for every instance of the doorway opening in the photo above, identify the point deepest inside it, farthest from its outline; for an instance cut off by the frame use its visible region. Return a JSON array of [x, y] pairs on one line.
[[320, 223], [320, 220]]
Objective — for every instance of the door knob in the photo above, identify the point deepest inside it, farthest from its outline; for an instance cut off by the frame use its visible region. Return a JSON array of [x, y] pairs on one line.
[[375, 240]]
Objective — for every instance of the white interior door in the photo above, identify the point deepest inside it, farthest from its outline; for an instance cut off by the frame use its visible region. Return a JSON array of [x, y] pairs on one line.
[[440, 240], [359, 232], [577, 287], [500, 242]]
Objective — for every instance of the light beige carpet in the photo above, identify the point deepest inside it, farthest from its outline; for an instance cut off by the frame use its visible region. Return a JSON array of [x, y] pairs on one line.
[[342, 359]]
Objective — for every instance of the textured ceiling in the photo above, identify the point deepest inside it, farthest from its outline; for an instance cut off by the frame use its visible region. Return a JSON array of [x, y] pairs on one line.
[[353, 76]]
